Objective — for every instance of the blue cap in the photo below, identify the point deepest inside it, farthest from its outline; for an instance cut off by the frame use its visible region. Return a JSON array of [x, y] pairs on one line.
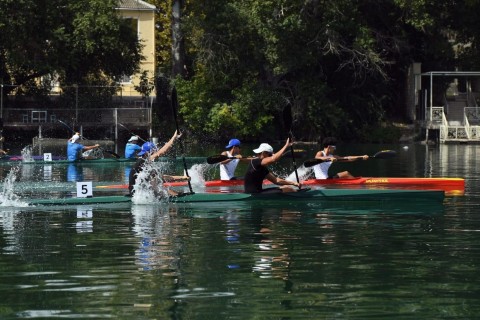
[[146, 147], [233, 143]]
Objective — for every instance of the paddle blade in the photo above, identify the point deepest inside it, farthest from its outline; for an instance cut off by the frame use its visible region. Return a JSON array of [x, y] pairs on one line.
[[216, 159], [312, 162], [287, 118], [113, 154], [385, 154]]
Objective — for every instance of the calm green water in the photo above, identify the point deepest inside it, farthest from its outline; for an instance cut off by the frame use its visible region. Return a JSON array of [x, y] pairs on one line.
[[244, 261]]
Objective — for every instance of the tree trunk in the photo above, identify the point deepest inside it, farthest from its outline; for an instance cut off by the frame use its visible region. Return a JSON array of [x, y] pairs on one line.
[[178, 50]]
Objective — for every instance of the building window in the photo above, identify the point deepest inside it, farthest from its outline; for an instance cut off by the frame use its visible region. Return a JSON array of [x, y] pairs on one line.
[[124, 79]]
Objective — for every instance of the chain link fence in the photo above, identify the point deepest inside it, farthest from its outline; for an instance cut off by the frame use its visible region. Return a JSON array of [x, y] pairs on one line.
[[75, 104]]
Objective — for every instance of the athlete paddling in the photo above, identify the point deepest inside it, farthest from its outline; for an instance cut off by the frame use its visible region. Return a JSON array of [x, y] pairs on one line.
[[258, 171], [149, 152]]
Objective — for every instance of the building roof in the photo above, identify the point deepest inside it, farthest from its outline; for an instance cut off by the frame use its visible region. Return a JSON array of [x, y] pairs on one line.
[[452, 73], [135, 5]]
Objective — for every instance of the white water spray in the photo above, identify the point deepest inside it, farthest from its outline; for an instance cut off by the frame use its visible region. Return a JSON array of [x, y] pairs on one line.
[[148, 187], [93, 154], [303, 174], [27, 154], [197, 176], [7, 197]]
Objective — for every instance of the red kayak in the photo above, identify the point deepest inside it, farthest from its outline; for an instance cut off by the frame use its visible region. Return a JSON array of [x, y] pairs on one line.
[[430, 182], [453, 186]]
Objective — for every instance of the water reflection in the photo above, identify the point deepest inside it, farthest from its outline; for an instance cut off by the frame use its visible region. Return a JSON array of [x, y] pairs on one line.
[[126, 173], [153, 226], [272, 254], [84, 219], [47, 173]]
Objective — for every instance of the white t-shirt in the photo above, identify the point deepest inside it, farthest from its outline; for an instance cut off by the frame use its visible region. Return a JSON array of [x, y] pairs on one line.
[[227, 171]]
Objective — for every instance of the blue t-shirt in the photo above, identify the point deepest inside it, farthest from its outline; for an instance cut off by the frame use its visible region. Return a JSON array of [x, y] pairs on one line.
[[131, 150], [72, 150]]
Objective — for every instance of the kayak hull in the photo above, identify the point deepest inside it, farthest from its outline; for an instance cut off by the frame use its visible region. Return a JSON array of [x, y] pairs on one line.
[[434, 182], [452, 186], [376, 195], [319, 195]]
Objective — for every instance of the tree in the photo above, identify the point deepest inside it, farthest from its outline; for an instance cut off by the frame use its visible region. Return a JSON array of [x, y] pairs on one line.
[[81, 42], [340, 65], [146, 86]]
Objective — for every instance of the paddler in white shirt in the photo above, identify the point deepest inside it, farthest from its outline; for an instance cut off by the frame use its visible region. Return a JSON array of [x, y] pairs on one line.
[[227, 167], [327, 154]]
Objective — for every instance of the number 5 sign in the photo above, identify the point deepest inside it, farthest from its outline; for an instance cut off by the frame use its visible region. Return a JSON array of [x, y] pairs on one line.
[[84, 189]]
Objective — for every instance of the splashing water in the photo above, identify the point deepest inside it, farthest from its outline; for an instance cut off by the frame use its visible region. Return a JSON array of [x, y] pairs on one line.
[[197, 175], [7, 197], [303, 174], [148, 187], [27, 154], [93, 154]]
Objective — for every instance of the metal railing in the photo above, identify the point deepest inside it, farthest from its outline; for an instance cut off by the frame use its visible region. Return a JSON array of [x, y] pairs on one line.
[[91, 116], [472, 115], [71, 97], [467, 125], [443, 127]]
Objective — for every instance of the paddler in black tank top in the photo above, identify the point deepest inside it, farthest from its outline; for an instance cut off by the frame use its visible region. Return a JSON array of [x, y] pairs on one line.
[[258, 171]]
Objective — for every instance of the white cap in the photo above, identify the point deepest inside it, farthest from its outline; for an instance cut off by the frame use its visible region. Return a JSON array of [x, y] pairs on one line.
[[264, 147], [133, 138], [74, 138]]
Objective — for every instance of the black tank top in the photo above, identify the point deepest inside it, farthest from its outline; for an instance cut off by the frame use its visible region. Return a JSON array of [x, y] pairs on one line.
[[254, 176]]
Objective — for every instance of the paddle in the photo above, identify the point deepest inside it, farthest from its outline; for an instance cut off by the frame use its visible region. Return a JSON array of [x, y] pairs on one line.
[[174, 108], [220, 157], [103, 150], [130, 132], [384, 154], [288, 121]]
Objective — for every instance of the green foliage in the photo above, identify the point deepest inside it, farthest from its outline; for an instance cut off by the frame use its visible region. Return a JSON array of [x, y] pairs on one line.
[[146, 85], [163, 35], [78, 41], [379, 133], [339, 65], [248, 115]]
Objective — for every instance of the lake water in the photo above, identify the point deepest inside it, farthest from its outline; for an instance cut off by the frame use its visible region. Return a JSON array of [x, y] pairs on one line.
[[244, 261]]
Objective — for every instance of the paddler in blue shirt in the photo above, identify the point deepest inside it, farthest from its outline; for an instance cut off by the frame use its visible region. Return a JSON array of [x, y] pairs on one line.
[[131, 148], [150, 152], [258, 171], [74, 148]]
